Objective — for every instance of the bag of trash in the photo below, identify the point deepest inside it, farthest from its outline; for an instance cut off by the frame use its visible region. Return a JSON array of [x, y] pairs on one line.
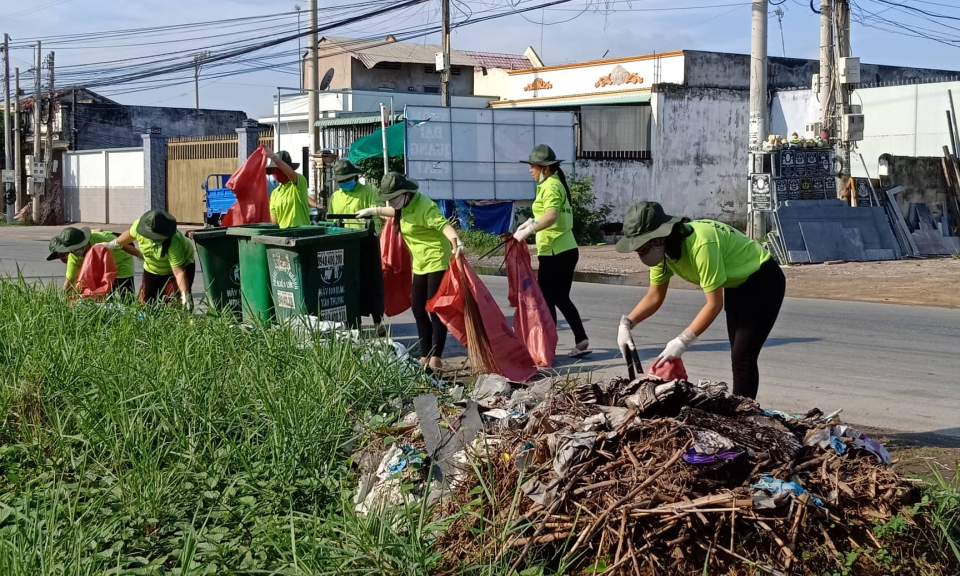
[[531, 320], [671, 369], [511, 356], [97, 273], [397, 266], [249, 185]]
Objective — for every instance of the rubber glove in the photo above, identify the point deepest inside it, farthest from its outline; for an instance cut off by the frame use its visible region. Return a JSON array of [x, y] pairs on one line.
[[111, 245], [187, 300], [625, 338], [524, 230], [368, 212], [459, 248], [676, 347]]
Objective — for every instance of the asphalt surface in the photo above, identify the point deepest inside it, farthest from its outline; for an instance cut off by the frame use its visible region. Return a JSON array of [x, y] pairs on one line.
[[888, 366]]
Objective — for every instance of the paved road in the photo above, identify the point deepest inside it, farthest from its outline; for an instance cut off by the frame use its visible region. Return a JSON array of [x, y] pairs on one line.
[[888, 366]]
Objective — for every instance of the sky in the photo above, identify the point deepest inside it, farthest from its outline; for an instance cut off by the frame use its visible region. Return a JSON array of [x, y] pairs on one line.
[[575, 31]]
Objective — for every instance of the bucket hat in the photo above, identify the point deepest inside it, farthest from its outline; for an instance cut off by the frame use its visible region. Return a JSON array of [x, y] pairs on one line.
[[285, 156], [157, 225], [645, 221], [345, 170], [68, 240], [542, 155], [395, 184]]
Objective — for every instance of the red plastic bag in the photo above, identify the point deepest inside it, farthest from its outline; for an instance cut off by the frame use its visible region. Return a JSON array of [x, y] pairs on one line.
[[97, 273], [531, 320], [249, 184], [512, 357], [671, 369], [397, 266]]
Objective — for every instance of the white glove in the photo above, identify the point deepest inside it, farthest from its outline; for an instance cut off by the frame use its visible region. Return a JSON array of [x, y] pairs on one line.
[[625, 338], [187, 300], [459, 249], [369, 212], [676, 347], [111, 245], [524, 231]]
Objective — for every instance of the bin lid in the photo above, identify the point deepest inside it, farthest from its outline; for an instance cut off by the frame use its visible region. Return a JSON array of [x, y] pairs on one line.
[[307, 235], [252, 229], [208, 233]]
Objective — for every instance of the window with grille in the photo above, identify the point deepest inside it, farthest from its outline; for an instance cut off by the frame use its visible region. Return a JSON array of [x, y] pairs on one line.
[[431, 89], [614, 132]]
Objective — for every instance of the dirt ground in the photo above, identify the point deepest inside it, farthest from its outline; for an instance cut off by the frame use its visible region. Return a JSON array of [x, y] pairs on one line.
[[920, 454], [926, 282]]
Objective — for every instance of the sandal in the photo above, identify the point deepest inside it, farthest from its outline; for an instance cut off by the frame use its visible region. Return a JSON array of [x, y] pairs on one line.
[[578, 353]]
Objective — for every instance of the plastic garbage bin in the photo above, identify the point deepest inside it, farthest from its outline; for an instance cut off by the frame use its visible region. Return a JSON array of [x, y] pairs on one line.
[[221, 268], [314, 270], [371, 270], [255, 302]]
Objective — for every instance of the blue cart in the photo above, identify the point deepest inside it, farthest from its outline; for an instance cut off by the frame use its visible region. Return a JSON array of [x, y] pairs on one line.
[[219, 198]]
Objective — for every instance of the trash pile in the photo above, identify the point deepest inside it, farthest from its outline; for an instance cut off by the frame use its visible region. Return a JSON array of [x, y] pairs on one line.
[[639, 477]]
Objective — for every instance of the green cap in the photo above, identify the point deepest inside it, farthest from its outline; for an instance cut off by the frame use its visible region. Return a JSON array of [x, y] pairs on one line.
[[68, 240], [285, 156], [542, 155], [345, 170], [395, 184], [157, 225], [645, 221]]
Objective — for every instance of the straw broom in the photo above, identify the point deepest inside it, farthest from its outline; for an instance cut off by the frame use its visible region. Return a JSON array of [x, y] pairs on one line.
[[479, 351]]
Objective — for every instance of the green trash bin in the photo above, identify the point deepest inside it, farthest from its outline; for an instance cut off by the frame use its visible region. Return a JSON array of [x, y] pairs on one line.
[[221, 268], [371, 271], [256, 303], [314, 270]]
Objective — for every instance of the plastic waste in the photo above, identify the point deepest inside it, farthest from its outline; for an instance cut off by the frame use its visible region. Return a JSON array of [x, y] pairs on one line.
[[670, 369], [778, 489], [249, 185], [532, 319], [397, 266]]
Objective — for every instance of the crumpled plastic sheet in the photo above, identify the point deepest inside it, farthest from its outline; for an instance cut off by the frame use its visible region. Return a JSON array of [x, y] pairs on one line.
[[709, 442], [407, 455], [542, 494], [491, 390], [833, 437], [769, 492], [571, 449], [691, 456]]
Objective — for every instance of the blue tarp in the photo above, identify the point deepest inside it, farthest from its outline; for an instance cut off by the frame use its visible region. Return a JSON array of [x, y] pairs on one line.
[[493, 218]]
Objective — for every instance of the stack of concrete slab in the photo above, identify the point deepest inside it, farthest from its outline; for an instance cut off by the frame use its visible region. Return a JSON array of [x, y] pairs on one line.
[[812, 231]]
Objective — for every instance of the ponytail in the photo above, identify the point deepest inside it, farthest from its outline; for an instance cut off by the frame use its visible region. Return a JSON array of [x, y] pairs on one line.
[[165, 247], [563, 180], [674, 242]]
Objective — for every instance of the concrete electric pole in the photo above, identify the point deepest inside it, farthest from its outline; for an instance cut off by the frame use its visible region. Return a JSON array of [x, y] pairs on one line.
[[37, 142], [198, 59], [826, 67], [445, 73], [313, 100], [9, 197], [51, 108], [758, 96], [18, 135]]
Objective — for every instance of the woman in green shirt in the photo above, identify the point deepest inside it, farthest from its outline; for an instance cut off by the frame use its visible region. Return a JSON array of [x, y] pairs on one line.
[[735, 273], [167, 256], [72, 244], [432, 243], [289, 202], [557, 252]]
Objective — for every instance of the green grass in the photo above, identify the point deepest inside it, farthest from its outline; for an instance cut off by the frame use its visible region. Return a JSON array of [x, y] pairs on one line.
[[174, 444], [479, 243]]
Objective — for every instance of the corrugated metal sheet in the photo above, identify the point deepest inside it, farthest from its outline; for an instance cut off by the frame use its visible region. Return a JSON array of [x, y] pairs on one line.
[[372, 52], [501, 61], [354, 120]]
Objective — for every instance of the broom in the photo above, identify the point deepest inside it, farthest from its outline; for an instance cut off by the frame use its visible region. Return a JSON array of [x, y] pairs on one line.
[[479, 351]]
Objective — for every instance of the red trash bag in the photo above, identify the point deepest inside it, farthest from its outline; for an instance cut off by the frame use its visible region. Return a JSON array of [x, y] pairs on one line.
[[512, 357], [97, 273], [397, 265], [671, 369], [249, 184], [531, 320]]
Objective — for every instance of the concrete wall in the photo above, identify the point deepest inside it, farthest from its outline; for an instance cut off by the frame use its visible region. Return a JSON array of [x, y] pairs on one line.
[[491, 82], [733, 71], [699, 158], [102, 126], [409, 76], [923, 181], [103, 186], [341, 64]]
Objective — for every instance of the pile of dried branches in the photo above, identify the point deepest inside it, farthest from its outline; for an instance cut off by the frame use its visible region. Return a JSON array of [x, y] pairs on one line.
[[599, 480]]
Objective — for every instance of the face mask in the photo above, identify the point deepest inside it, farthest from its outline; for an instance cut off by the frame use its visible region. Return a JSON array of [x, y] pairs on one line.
[[541, 178], [653, 256], [348, 186], [399, 202]]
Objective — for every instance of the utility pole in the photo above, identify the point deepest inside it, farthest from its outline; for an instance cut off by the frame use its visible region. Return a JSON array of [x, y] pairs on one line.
[[9, 197], [313, 99], [17, 153], [383, 130], [826, 66], [445, 73], [299, 47], [198, 59], [758, 94], [51, 107], [842, 16], [37, 147]]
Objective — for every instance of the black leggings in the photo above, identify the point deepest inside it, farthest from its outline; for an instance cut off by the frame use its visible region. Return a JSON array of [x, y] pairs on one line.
[[555, 277], [123, 286], [154, 285], [430, 329], [752, 309]]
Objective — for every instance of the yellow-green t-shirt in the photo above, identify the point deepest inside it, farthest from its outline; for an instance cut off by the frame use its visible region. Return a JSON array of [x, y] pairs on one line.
[[123, 260], [353, 201], [714, 256], [422, 224], [288, 203], [558, 237], [179, 255]]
